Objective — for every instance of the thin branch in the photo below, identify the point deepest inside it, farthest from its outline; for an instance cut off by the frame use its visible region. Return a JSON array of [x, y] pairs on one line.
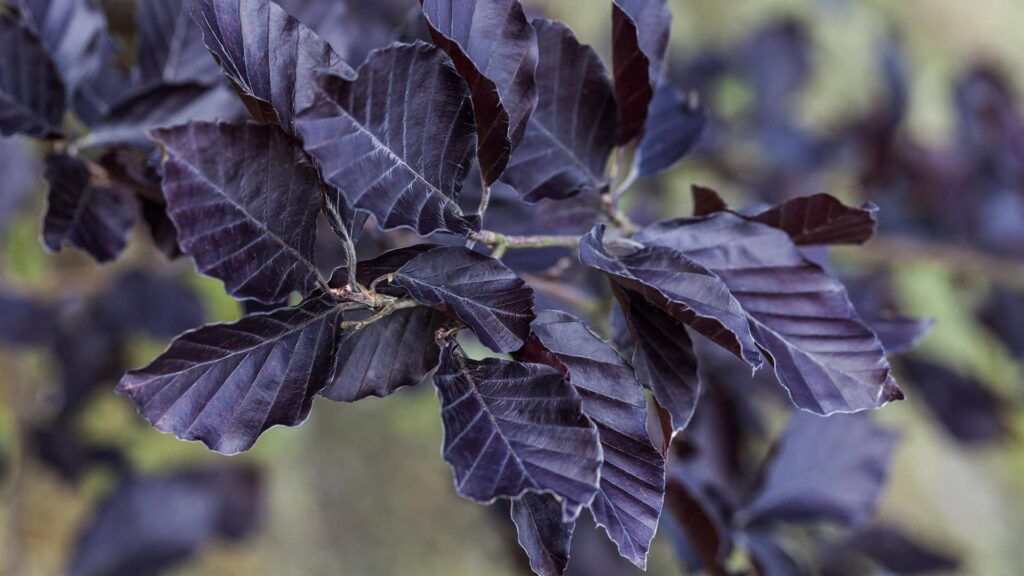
[[626, 184], [501, 242]]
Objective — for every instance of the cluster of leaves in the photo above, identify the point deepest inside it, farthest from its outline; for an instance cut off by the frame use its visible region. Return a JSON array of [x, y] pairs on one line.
[[147, 522], [980, 171], [471, 101]]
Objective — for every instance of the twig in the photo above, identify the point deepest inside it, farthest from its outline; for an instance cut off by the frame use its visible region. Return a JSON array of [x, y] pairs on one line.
[[501, 242], [386, 310], [626, 183]]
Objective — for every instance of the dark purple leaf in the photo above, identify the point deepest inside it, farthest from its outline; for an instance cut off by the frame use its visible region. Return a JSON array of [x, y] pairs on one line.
[[681, 287], [20, 169], [572, 132], [1003, 313], [246, 214], [822, 353], [75, 35], [60, 447], [150, 524], [494, 48], [891, 549], [31, 91], [512, 428], [24, 321], [89, 353], [542, 533], [270, 57], [640, 32], [823, 470], [93, 218], [127, 123], [161, 306], [478, 290], [632, 486], [397, 141], [224, 384], [663, 357], [819, 219], [770, 558], [966, 408], [395, 351], [675, 123], [356, 27], [171, 49]]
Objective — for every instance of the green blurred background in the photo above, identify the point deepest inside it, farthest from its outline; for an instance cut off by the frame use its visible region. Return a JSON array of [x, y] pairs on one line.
[[361, 489]]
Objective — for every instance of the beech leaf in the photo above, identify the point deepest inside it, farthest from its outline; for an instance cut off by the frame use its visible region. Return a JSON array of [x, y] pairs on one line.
[[542, 533], [640, 33], [397, 141], [247, 214], [570, 135], [270, 57], [512, 427], [31, 91], [225, 384], [823, 354], [632, 486], [675, 123], [171, 49], [95, 219], [678, 285], [478, 290], [494, 48]]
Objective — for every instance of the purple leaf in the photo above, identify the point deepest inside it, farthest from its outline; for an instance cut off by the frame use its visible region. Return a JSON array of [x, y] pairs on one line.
[[171, 49], [890, 548], [966, 408], [95, 219], [150, 524], [270, 57], [542, 533], [663, 357], [819, 219], [681, 287], [899, 334], [478, 290], [1003, 313], [395, 351], [822, 352], [24, 321], [511, 428], [127, 123], [640, 33], [770, 558], [31, 91], [632, 486], [397, 141], [494, 48], [675, 123], [823, 470], [247, 214], [572, 132], [225, 384], [161, 306]]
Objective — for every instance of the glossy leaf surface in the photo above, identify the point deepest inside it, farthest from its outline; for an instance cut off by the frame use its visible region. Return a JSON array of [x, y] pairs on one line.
[[494, 48], [246, 215], [224, 384], [397, 141], [514, 427]]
